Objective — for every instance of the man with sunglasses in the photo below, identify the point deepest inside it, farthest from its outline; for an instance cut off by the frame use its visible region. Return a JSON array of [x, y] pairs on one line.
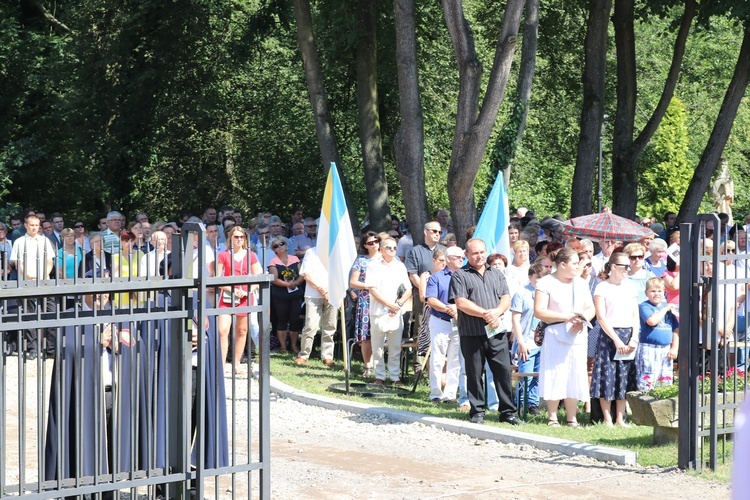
[[418, 262], [307, 240]]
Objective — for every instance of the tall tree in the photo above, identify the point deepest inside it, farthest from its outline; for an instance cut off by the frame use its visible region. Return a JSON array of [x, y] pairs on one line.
[[592, 111], [409, 140], [369, 116], [720, 133], [318, 97], [474, 124], [626, 149], [525, 78]]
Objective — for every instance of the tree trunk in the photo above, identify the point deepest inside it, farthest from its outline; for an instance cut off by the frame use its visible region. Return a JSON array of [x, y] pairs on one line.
[[592, 112], [625, 150], [526, 73], [369, 118], [720, 134], [409, 140], [473, 124], [624, 181], [319, 99]]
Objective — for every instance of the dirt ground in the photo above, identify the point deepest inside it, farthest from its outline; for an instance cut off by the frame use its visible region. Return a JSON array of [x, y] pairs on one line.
[[320, 453], [326, 454]]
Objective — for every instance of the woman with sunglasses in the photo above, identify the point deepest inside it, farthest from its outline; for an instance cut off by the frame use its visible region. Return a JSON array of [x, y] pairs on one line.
[[619, 319], [287, 293], [82, 239], [638, 275], [237, 260], [368, 250]]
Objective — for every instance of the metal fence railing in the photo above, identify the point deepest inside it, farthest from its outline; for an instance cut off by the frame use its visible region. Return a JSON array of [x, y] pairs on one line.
[[714, 277], [116, 381]]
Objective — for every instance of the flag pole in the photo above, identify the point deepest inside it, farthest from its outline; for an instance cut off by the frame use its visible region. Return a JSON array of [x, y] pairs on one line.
[[344, 345]]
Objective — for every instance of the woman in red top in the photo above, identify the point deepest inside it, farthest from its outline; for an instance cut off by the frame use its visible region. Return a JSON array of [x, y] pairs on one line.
[[235, 262]]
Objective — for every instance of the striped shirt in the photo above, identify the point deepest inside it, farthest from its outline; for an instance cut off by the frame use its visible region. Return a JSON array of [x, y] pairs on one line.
[[484, 291]]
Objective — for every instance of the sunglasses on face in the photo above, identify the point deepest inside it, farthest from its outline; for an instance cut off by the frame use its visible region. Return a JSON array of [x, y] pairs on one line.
[[636, 257], [238, 237], [78, 226], [623, 266], [371, 243], [389, 247], [277, 245], [433, 231]]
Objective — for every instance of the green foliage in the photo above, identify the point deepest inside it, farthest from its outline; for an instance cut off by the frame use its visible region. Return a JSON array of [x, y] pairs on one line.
[[664, 172]]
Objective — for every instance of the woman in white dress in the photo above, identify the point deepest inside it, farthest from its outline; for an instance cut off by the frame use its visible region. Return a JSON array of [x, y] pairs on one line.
[[563, 300]]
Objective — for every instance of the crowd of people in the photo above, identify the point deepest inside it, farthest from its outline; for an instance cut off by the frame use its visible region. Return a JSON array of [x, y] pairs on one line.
[[610, 314]]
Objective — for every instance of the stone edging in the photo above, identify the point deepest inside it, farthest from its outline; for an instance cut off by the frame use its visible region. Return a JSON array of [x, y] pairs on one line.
[[564, 446]]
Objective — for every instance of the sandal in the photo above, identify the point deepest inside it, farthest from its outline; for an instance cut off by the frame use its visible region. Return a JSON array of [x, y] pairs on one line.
[[574, 424], [553, 423], [367, 373]]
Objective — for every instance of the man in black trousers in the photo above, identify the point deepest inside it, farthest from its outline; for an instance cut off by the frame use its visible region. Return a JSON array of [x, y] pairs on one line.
[[481, 297]]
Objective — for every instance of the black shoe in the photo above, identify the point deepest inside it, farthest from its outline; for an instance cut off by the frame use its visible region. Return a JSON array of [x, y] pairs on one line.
[[30, 354], [435, 400], [511, 419], [478, 418], [534, 410]]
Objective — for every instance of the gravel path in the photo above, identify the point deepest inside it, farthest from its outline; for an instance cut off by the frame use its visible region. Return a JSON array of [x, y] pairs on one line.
[[328, 454], [319, 453]]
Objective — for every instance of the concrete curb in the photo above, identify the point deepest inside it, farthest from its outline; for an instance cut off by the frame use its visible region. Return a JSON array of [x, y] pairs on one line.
[[602, 453]]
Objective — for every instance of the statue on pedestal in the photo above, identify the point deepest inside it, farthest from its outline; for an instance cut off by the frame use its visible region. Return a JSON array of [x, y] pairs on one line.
[[723, 191]]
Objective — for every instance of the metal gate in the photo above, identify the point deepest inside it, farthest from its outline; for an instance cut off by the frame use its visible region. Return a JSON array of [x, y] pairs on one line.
[[132, 399], [713, 343]]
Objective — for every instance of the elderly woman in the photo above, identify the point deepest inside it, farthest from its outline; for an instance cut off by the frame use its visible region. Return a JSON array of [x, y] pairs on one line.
[[518, 271], [637, 275], [151, 263], [237, 260], [563, 301], [657, 261], [369, 244], [619, 319], [97, 262], [287, 293]]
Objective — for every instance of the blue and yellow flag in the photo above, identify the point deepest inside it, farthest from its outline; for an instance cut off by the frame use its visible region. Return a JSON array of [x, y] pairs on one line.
[[493, 223], [335, 247]]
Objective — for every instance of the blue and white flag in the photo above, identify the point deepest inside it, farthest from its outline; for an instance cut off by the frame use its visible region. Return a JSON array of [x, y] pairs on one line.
[[493, 223], [335, 246]]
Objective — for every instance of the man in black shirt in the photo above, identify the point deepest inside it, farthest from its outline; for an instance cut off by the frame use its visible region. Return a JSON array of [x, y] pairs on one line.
[[481, 297]]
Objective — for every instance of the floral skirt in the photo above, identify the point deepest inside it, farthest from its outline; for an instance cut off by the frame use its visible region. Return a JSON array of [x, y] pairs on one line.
[[612, 379]]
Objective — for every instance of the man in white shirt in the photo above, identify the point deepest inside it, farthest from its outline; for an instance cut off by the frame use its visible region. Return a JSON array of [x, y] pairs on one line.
[[32, 255], [319, 313], [390, 288], [598, 260]]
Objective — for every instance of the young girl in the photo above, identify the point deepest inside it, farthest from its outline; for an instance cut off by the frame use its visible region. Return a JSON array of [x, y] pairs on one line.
[[659, 338]]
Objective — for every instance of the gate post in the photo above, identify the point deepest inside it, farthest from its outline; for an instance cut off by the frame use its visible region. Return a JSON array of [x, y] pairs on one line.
[[689, 350], [179, 384]]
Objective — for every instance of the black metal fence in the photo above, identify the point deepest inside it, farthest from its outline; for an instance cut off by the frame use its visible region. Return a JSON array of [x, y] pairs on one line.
[[131, 398], [714, 275]]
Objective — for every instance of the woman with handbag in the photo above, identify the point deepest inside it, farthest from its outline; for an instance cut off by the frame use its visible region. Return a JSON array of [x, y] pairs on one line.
[[563, 302], [614, 363], [235, 261]]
